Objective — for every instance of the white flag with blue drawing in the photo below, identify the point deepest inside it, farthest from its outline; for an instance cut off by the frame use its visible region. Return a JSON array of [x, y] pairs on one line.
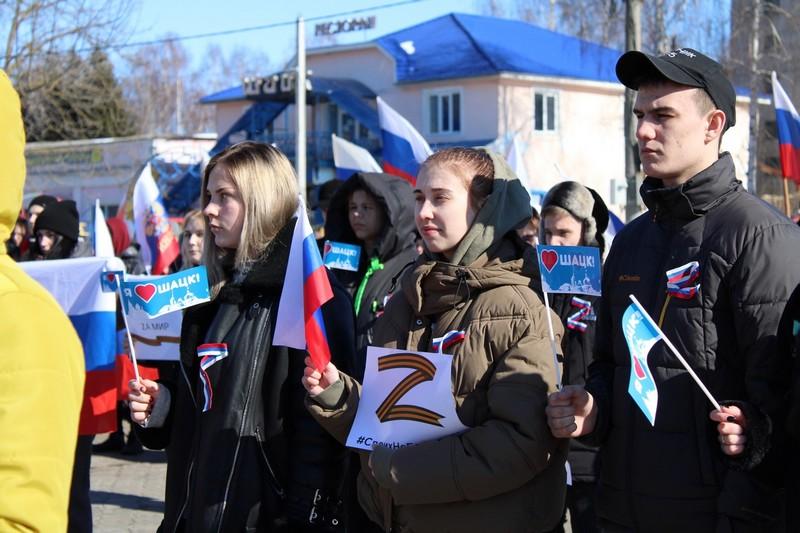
[[641, 334], [158, 295], [75, 284], [349, 158], [570, 269]]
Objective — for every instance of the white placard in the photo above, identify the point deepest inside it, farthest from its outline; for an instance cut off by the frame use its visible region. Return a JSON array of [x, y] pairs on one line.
[[407, 399]]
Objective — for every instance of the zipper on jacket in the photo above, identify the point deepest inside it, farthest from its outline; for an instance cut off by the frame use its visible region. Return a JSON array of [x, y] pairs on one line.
[[191, 462], [275, 483], [248, 396]]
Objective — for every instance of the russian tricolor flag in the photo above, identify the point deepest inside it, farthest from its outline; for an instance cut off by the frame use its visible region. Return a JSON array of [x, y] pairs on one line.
[[75, 284], [788, 132], [404, 149], [306, 287], [349, 158]]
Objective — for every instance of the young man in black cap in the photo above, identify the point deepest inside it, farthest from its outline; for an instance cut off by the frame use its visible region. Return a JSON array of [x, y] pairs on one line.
[[695, 469]]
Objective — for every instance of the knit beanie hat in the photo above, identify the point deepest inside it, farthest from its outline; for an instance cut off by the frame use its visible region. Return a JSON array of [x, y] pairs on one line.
[[43, 200], [60, 217], [582, 203]]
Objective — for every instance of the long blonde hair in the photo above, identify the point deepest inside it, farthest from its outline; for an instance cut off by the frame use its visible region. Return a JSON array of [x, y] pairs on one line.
[[267, 184]]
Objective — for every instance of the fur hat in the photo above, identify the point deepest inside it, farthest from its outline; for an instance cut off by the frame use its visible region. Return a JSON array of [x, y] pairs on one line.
[[582, 203], [60, 217]]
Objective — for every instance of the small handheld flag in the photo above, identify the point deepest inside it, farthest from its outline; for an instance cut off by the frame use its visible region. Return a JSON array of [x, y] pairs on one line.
[[569, 269], [159, 295], [641, 334], [306, 288]]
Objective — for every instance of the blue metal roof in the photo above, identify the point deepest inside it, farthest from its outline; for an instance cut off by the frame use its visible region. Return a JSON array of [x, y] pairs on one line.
[[230, 94], [464, 46]]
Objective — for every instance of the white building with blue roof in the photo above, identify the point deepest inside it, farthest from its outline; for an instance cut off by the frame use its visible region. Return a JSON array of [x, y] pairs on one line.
[[460, 80]]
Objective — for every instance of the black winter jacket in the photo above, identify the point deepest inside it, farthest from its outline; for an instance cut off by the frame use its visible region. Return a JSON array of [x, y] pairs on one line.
[[256, 460], [394, 249], [578, 348], [673, 476]]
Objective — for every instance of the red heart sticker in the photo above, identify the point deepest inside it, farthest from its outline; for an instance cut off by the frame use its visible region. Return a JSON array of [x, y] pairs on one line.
[[145, 291], [549, 259], [111, 277]]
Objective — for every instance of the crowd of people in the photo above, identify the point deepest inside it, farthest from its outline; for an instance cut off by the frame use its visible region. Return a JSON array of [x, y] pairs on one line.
[[255, 433]]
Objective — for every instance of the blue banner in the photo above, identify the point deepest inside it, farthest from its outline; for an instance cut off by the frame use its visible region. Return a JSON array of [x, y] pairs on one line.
[[341, 255], [641, 334], [570, 269], [159, 295]]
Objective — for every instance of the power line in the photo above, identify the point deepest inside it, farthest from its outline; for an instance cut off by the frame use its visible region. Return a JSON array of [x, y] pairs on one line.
[[247, 29]]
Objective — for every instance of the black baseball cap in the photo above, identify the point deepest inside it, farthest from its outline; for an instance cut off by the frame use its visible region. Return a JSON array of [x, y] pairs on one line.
[[683, 66]]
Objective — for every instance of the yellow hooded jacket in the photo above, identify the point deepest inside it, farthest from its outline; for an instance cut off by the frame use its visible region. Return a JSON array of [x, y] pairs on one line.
[[41, 366]]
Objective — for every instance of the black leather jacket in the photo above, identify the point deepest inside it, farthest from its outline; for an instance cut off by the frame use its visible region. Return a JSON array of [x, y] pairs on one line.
[[256, 460]]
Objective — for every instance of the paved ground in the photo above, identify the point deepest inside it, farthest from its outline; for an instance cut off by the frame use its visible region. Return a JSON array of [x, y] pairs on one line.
[[127, 491]]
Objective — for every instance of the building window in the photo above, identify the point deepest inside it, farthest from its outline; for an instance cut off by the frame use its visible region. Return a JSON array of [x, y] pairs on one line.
[[346, 126], [545, 106], [443, 109]]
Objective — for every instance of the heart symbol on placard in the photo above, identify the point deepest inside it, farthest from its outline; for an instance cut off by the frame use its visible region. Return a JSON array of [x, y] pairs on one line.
[[549, 259], [145, 292], [111, 277]]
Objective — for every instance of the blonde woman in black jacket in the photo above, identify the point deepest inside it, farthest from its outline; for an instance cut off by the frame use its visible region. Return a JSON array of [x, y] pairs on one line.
[[243, 453]]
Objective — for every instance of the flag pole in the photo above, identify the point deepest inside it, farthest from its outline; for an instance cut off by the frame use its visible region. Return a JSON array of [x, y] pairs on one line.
[[552, 340], [786, 205], [128, 331], [300, 104], [677, 354]]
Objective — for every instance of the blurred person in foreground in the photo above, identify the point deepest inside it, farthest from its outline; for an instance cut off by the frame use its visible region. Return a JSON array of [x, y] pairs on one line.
[[41, 375]]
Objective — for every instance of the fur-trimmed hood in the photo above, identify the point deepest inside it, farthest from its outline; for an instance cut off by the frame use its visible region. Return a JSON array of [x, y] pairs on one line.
[[582, 203]]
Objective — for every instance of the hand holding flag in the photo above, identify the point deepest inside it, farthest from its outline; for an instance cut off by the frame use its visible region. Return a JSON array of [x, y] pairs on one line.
[[641, 334], [306, 288]]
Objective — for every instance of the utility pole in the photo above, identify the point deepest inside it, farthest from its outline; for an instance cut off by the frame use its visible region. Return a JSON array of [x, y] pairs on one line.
[[300, 104], [633, 41], [754, 112]]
